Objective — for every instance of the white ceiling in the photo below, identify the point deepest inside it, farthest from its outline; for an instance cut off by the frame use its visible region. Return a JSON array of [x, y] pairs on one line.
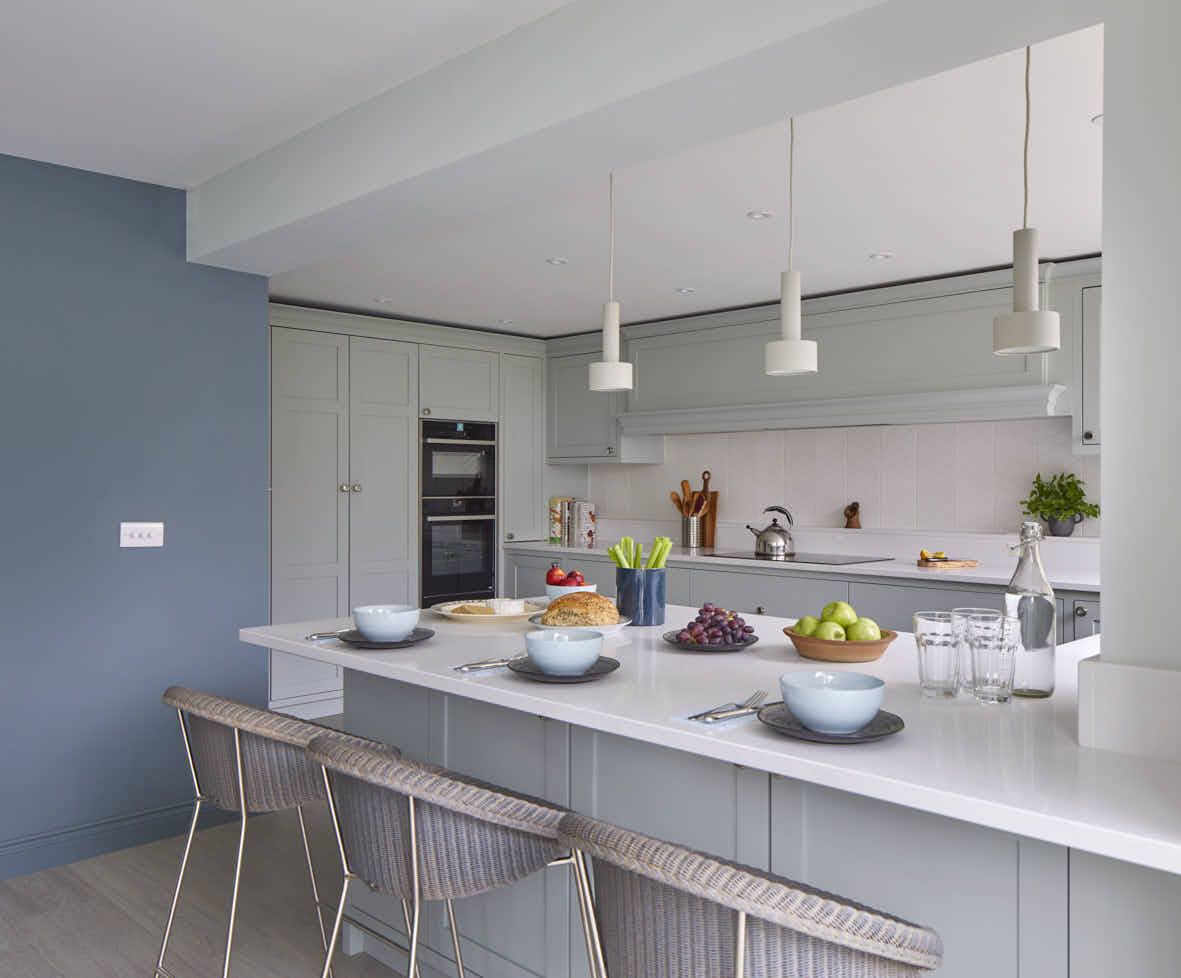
[[174, 93], [929, 171]]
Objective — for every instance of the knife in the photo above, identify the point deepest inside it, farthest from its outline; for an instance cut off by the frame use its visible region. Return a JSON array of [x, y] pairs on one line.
[[316, 636], [483, 664]]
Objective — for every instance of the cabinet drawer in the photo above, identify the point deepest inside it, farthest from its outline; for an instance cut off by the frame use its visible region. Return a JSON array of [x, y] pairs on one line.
[[785, 595], [1084, 618]]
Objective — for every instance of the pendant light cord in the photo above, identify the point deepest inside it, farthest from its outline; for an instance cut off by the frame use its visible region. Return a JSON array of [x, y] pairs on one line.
[[791, 164], [611, 252], [1025, 159]]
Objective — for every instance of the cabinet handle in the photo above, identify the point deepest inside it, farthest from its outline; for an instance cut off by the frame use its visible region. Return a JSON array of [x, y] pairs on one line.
[[760, 610], [345, 487], [610, 449], [509, 536], [356, 487], [1088, 436], [426, 412], [1080, 612]]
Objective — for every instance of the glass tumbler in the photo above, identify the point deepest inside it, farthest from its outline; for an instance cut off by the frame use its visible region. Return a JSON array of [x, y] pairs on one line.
[[993, 643], [959, 623], [939, 658]]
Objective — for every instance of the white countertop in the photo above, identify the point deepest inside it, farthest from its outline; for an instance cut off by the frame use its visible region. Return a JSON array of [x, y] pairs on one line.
[[898, 567], [1016, 768]]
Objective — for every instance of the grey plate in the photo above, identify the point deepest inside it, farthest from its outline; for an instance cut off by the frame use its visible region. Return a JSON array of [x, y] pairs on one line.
[[779, 718], [671, 638], [357, 640], [523, 666]]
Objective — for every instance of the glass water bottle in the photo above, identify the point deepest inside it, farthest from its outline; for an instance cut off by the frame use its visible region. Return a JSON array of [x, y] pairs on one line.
[[1030, 599]]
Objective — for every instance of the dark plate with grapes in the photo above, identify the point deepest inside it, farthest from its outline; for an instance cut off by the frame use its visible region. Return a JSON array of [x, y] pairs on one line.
[[715, 629]]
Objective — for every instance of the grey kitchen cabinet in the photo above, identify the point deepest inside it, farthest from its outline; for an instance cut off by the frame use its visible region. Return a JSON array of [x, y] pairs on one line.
[[525, 573], [786, 595], [1090, 365], [523, 513], [581, 422], [458, 384], [1084, 618], [344, 479]]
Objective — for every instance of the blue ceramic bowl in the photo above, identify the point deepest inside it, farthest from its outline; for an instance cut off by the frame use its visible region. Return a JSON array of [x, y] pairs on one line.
[[832, 702], [386, 622], [564, 652]]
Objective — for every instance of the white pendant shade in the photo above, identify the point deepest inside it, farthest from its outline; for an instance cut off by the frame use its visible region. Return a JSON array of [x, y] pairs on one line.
[[792, 354], [1027, 329], [610, 373]]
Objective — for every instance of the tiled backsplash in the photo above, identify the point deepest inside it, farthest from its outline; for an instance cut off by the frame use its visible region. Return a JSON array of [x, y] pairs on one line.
[[967, 476]]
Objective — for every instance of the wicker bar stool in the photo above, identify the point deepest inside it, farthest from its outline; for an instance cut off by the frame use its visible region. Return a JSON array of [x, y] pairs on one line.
[[418, 832], [670, 911], [239, 751]]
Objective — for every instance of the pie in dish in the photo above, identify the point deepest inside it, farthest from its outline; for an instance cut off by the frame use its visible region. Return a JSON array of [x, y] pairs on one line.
[[472, 609], [581, 609]]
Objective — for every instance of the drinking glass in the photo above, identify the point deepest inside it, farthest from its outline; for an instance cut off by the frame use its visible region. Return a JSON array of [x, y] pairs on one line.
[[959, 623], [939, 659], [993, 643]]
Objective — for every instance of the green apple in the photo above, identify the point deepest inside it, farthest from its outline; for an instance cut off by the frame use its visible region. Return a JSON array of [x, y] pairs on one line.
[[829, 630], [839, 611], [863, 630], [806, 625]]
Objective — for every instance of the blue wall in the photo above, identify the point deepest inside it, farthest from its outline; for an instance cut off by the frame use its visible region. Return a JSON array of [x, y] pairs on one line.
[[133, 388]]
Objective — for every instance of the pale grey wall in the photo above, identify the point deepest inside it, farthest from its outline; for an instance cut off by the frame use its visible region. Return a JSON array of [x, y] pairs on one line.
[[134, 388]]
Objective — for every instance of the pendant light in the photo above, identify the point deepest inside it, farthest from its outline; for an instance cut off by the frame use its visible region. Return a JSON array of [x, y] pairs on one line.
[[792, 354], [1027, 329], [611, 373]]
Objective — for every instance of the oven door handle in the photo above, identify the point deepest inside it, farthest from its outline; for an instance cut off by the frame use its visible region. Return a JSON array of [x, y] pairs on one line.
[[458, 519], [456, 441]]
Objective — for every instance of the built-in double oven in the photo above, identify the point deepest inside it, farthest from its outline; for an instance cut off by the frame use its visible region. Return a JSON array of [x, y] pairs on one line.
[[458, 510]]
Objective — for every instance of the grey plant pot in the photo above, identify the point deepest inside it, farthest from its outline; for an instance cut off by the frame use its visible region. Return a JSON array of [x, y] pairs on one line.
[[1064, 528]]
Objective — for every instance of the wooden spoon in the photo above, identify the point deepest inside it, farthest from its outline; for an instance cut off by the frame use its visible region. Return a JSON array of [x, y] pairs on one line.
[[687, 495], [678, 502]]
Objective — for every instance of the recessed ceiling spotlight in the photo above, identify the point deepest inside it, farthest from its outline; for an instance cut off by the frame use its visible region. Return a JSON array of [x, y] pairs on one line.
[[384, 300], [881, 256], [684, 290], [1097, 119], [557, 261], [760, 215]]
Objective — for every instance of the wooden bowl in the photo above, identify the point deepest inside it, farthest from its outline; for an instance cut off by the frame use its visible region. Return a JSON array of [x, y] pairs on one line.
[[827, 650]]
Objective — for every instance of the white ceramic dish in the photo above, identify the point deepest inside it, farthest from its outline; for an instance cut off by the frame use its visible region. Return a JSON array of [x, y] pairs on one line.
[[619, 626], [503, 609], [553, 591], [564, 651], [832, 702], [386, 622]]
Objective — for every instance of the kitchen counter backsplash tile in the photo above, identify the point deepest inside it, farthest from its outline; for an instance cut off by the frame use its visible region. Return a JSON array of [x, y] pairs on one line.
[[968, 476]]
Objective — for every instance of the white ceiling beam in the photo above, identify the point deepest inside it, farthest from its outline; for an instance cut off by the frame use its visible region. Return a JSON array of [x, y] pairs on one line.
[[597, 85]]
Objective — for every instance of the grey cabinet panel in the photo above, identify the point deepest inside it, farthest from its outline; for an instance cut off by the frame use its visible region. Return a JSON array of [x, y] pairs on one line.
[[893, 605], [1123, 919], [580, 422], [309, 513], [523, 513], [458, 384], [1092, 300], [787, 595], [383, 452], [958, 878], [1084, 618]]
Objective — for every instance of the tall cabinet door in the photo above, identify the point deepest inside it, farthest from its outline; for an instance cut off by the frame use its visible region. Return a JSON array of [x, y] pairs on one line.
[[383, 454], [309, 501], [522, 448]]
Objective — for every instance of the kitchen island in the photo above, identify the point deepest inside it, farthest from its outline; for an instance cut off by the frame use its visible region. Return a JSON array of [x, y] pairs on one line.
[[990, 824]]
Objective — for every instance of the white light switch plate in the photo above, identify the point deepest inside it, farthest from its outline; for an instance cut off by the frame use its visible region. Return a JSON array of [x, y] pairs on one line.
[[141, 534]]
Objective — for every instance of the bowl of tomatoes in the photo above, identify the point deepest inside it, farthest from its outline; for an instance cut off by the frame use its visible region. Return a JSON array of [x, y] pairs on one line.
[[559, 582]]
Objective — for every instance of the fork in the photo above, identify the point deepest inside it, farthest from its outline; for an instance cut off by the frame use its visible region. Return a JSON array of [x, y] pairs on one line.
[[728, 711]]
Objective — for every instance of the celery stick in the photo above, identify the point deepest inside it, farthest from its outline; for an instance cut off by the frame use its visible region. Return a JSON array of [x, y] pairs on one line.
[[639, 555]]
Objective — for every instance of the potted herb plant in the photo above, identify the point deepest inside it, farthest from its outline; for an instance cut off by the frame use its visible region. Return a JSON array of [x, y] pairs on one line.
[[1061, 501]]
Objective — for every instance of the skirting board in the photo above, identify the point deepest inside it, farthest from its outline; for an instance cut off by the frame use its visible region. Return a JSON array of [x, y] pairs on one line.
[[1129, 709], [32, 853]]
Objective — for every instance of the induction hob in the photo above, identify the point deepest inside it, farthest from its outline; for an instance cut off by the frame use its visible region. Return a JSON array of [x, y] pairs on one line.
[[802, 558]]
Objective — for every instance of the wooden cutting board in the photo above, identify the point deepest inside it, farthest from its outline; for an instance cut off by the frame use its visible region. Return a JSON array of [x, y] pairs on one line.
[[950, 563]]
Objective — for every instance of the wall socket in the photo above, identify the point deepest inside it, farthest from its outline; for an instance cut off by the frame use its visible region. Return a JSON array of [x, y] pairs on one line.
[[141, 534]]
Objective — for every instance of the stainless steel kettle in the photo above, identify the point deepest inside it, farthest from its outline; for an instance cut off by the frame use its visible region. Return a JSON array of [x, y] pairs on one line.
[[774, 541]]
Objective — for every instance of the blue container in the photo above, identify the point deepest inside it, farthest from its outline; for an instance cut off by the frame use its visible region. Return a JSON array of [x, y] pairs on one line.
[[640, 595]]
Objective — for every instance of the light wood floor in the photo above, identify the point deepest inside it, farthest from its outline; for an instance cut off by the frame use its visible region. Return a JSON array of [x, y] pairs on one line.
[[103, 918]]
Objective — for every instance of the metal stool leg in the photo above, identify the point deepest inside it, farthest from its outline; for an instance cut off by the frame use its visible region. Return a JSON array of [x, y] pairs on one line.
[[455, 939], [225, 970], [586, 897], [307, 851], [413, 968], [180, 878]]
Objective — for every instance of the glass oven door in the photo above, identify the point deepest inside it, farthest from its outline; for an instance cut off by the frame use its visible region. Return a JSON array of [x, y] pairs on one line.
[[458, 551], [458, 463]]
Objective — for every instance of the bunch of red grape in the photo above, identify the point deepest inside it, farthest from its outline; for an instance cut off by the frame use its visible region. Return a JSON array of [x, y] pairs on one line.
[[716, 626]]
